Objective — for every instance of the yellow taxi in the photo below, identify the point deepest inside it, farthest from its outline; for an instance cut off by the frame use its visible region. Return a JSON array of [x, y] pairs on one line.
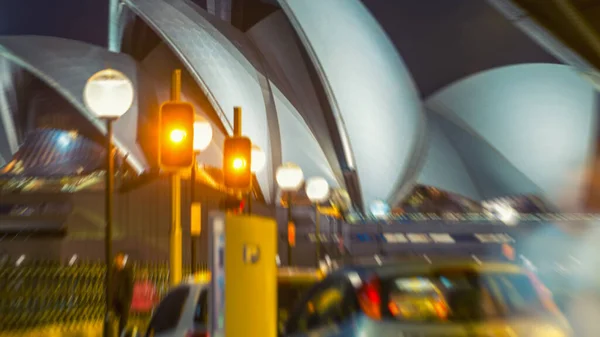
[[291, 285], [440, 298]]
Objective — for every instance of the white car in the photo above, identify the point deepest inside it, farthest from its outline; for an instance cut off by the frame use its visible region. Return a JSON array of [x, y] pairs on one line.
[[184, 311]]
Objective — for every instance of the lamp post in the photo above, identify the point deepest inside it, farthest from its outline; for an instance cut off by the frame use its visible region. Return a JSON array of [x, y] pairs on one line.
[[317, 190], [108, 94], [203, 134], [257, 163], [289, 177]]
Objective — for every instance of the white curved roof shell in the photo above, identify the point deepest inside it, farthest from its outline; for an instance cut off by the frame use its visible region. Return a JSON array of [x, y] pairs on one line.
[[224, 64], [298, 144], [277, 42], [65, 66], [541, 118], [522, 129], [9, 142], [377, 108], [218, 66]]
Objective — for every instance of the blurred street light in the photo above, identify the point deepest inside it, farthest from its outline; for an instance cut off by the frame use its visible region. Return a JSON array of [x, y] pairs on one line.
[[259, 159], [289, 177], [203, 134], [108, 94], [317, 190]]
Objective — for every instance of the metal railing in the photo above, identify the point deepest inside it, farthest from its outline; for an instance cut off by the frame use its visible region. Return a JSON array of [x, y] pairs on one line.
[[46, 293]]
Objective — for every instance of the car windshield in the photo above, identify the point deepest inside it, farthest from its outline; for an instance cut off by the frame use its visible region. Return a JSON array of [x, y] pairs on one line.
[[201, 311], [289, 292], [461, 296]]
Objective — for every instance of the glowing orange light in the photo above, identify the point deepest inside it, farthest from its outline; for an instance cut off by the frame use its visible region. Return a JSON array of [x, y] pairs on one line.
[[292, 234], [239, 163], [177, 135], [394, 308], [441, 309]]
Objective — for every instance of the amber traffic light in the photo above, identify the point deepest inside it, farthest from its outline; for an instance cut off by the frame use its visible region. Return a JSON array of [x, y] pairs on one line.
[[237, 153], [176, 136]]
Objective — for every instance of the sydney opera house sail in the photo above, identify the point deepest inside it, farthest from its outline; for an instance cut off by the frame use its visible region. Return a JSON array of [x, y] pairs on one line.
[[375, 101], [65, 66]]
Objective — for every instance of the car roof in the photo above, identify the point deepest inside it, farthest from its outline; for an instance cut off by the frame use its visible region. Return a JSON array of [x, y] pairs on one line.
[[420, 267], [285, 274], [296, 271]]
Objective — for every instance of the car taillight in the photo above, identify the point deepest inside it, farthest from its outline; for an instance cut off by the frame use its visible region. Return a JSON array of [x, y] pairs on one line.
[[441, 309], [369, 298], [544, 293], [393, 307], [197, 334]]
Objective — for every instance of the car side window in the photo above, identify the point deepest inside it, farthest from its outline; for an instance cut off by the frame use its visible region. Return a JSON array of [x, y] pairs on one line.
[[325, 306], [167, 314], [201, 310]]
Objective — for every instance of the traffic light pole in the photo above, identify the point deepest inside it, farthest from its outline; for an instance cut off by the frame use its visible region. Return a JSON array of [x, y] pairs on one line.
[[249, 201], [194, 218], [108, 207], [175, 254], [175, 242]]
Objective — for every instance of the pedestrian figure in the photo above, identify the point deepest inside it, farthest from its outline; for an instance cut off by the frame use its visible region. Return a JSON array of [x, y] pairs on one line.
[[121, 290]]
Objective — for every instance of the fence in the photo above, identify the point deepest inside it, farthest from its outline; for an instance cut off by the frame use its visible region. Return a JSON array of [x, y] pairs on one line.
[[46, 293]]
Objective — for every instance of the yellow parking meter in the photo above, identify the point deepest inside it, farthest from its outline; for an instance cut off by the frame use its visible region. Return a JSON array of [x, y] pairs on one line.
[[250, 276]]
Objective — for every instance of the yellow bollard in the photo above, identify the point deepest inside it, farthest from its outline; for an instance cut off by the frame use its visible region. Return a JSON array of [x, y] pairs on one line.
[[250, 276]]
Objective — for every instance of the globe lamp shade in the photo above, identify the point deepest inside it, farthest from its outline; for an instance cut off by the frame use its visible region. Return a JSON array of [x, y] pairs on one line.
[[317, 189], [258, 160], [108, 94], [203, 134], [289, 177]]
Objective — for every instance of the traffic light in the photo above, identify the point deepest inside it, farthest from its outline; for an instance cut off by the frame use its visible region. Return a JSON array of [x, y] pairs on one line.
[[236, 163], [176, 136]]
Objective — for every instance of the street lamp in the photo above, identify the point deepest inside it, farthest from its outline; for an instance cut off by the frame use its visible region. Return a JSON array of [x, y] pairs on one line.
[[203, 134], [109, 95], [289, 177], [258, 159], [317, 190]]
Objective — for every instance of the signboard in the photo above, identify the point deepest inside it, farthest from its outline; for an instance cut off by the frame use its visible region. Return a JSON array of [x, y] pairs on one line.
[[251, 272], [251, 253], [216, 253], [196, 219]]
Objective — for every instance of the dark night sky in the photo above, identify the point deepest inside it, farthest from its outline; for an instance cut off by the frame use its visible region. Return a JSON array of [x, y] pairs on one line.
[[84, 20], [471, 35]]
